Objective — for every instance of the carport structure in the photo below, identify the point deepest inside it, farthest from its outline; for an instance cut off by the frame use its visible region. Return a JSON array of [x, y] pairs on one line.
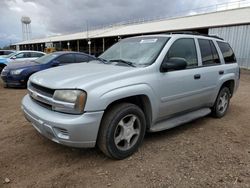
[[233, 25]]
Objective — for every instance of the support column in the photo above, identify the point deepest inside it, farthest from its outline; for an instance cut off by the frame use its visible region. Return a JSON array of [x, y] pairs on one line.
[[103, 44], [78, 48]]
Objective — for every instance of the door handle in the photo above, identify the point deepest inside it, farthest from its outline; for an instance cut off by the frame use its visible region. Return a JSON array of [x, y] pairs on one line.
[[197, 76], [221, 72]]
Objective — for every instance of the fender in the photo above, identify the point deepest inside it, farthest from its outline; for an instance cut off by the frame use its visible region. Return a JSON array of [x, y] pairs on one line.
[[222, 80], [123, 92]]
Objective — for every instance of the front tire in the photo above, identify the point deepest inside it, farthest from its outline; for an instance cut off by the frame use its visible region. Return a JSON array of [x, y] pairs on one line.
[[122, 131], [222, 103]]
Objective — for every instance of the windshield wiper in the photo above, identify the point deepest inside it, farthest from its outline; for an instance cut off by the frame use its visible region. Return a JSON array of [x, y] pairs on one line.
[[122, 61], [102, 60]]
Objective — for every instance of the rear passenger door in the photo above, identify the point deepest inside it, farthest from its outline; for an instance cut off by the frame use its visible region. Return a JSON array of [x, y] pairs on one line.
[[210, 70], [181, 90]]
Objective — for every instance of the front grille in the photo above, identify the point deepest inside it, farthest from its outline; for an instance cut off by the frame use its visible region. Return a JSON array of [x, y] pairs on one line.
[[43, 90], [47, 92], [42, 104]]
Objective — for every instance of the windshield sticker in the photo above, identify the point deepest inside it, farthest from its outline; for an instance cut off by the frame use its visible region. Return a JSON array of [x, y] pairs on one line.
[[148, 41]]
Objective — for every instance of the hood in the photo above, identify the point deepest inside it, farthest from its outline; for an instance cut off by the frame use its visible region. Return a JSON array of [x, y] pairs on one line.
[[79, 75], [22, 64]]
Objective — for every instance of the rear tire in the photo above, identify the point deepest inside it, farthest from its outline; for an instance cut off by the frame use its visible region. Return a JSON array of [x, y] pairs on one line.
[[222, 103], [122, 131]]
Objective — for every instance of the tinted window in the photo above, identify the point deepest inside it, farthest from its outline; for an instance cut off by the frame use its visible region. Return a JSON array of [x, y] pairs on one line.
[[227, 52], [21, 55], [209, 53], [67, 58], [35, 54], [215, 53], [184, 48], [81, 58], [1, 52]]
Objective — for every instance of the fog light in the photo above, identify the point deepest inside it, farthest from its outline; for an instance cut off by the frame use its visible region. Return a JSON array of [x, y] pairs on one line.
[[61, 133]]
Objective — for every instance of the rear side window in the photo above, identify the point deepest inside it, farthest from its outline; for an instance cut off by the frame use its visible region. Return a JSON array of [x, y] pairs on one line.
[[65, 59], [227, 52], [35, 54], [81, 58], [184, 48], [209, 53]]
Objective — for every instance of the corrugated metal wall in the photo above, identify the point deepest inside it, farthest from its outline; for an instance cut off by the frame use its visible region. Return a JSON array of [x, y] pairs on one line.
[[239, 39]]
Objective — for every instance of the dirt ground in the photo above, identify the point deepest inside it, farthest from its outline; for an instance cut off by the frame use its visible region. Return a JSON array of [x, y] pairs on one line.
[[205, 153]]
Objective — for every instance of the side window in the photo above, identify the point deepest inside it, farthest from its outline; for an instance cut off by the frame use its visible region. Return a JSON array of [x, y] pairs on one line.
[[81, 58], [20, 55], [65, 59], [184, 48], [215, 53], [27, 54], [209, 53], [227, 52], [35, 54]]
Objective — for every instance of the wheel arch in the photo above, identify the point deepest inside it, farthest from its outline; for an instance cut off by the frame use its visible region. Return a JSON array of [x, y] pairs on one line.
[[142, 101], [230, 84]]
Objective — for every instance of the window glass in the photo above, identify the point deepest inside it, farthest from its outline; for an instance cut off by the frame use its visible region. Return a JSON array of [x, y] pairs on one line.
[[35, 54], [215, 53], [67, 58], [184, 48], [227, 52], [20, 55], [206, 52], [140, 51], [209, 53], [81, 58], [27, 54]]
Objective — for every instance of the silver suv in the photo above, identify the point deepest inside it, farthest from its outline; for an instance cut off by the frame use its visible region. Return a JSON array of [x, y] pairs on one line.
[[147, 83]]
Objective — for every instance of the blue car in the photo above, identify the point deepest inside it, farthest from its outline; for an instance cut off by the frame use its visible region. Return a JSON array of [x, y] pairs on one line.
[[17, 74]]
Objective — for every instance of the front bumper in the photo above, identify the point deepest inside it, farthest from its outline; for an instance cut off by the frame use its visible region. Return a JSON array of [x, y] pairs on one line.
[[70, 130], [13, 81]]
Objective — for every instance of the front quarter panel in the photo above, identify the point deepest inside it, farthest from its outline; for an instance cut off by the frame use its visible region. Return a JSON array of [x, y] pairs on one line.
[[105, 99]]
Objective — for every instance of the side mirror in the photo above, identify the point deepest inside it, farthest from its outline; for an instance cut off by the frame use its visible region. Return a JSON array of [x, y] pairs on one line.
[[173, 64], [14, 57], [55, 63]]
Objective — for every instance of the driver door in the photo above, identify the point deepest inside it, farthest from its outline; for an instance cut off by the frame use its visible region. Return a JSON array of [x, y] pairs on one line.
[[181, 90]]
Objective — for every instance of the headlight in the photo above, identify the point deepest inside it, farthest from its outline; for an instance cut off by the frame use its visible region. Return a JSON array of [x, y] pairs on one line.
[[16, 72], [69, 101]]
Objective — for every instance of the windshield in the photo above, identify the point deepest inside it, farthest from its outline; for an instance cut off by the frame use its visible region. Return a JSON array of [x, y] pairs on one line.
[[46, 58], [138, 51]]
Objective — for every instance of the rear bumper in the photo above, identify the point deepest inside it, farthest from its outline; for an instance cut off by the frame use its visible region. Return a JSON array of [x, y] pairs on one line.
[[70, 130]]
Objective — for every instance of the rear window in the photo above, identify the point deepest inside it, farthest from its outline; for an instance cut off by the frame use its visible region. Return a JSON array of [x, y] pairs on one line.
[[227, 52]]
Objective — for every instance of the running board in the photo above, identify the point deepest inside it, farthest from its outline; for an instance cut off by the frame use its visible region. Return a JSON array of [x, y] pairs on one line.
[[179, 120]]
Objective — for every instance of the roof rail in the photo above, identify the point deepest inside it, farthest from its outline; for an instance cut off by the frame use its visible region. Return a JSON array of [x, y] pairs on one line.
[[194, 33]]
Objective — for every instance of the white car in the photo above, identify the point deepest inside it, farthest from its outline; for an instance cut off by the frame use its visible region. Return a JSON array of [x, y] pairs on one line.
[[25, 55], [19, 56]]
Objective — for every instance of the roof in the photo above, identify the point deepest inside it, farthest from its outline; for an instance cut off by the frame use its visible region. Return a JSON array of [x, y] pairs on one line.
[[215, 19]]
